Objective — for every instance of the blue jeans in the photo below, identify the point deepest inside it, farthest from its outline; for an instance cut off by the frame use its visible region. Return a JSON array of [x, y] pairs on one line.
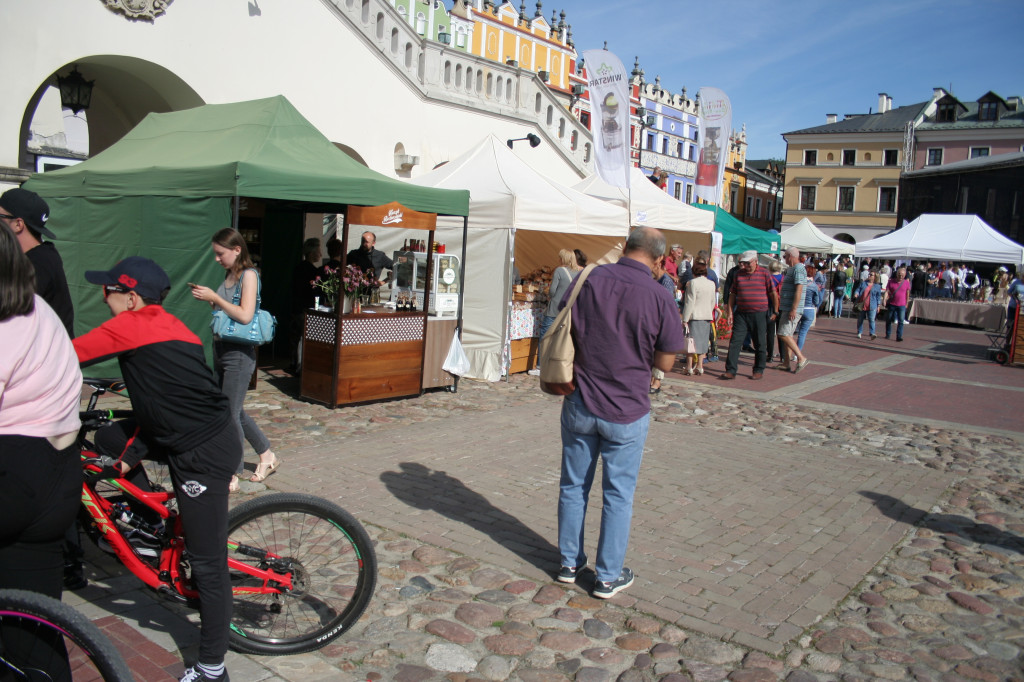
[[870, 314], [235, 364], [621, 447], [545, 324], [899, 313], [837, 303], [806, 320]]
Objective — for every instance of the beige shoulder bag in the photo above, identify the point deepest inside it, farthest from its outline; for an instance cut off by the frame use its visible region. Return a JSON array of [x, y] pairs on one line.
[[556, 350]]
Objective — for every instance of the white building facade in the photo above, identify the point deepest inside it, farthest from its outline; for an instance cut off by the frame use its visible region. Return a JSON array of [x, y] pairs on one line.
[[356, 69]]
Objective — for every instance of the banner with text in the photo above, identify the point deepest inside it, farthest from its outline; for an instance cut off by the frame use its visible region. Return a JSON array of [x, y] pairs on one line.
[[609, 106], [715, 128]]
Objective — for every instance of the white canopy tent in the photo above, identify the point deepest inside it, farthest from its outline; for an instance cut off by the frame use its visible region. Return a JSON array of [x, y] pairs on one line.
[[651, 206], [515, 214], [805, 236], [944, 237]]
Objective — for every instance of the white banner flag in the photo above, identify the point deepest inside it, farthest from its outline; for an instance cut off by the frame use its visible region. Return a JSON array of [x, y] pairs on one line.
[[609, 107], [715, 128]]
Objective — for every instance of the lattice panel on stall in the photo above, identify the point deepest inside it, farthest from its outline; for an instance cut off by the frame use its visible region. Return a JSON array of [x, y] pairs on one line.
[[383, 330], [320, 328]]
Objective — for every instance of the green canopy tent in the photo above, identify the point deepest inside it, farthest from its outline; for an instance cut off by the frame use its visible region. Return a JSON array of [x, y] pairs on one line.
[[737, 236], [164, 189]]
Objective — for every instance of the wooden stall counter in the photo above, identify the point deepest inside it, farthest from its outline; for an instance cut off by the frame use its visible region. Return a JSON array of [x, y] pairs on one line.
[[354, 358]]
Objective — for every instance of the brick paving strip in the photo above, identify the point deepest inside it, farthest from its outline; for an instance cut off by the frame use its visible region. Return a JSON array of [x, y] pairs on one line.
[[459, 491]]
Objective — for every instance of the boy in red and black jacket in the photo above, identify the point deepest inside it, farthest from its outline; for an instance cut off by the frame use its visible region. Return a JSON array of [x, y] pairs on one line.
[[180, 410]]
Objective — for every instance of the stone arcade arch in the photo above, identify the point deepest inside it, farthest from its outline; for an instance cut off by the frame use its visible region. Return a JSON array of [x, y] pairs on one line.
[[125, 90]]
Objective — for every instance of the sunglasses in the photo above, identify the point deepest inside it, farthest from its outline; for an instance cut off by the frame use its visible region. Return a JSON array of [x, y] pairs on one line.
[[113, 289]]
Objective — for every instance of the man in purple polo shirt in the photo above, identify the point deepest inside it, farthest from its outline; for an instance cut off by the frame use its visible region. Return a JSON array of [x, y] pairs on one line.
[[623, 324], [752, 296]]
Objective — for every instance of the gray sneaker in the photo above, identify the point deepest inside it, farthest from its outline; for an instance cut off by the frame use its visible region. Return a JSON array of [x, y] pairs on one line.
[[603, 590], [568, 574]]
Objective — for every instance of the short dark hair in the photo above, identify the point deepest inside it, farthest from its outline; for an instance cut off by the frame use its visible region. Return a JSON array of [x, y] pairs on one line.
[[17, 278], [333, 247], [700, 269]]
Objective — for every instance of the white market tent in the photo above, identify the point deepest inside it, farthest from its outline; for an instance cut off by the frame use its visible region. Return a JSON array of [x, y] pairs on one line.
[[944, 237], [651, 206], [515, 214], [805, 236]]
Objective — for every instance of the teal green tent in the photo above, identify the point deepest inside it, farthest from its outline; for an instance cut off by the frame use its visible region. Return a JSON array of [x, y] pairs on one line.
[[164, 189], [737, 236]]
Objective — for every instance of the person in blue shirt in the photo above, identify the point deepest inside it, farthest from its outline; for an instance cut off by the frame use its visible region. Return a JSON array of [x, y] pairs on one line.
[[869, 292]]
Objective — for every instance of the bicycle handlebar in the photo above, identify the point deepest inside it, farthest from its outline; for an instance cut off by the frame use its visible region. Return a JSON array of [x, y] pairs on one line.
[[92, 419]]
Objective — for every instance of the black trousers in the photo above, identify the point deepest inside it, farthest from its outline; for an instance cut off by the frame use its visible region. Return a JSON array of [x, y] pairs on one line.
[[200, 477], [40, 491], [756, 324]]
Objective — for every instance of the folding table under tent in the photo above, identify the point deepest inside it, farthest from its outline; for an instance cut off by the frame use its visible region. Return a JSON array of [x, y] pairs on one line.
[[945, 237], [516, 216], [651, 206], [805, 236]]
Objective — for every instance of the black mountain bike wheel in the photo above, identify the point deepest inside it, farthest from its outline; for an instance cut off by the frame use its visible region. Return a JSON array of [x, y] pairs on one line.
[[333, 566], [42, 639]]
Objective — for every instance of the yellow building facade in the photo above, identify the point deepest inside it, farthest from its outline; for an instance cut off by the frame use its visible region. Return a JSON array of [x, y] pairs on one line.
[[501, 34], [844, 176]]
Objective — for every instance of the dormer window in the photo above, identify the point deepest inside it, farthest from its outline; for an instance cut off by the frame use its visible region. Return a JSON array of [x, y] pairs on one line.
[[988, 111], [946, 113]]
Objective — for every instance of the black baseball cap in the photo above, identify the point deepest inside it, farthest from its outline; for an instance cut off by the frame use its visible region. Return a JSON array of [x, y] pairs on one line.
[[134, 273], [30, 207]]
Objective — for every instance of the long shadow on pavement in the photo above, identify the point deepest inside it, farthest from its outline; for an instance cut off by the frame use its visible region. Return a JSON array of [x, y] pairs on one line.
[[947, 524], [423, 488]]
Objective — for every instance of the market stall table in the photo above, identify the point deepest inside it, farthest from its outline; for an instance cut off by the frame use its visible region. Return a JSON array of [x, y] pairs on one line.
[[980, 315]]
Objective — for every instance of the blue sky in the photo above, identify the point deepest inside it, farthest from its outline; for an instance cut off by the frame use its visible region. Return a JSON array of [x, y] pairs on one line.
[[786, 64]]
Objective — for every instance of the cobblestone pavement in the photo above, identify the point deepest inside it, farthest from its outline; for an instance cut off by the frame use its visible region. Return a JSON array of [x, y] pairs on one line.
[[911, 565]]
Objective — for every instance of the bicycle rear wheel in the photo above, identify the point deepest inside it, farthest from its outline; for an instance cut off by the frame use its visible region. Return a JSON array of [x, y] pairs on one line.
[[42, 639], [331, 561]]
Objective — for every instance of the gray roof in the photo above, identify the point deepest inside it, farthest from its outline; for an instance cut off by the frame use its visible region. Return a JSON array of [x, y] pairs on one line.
[[894, 121], [968, 120], [980, 163]]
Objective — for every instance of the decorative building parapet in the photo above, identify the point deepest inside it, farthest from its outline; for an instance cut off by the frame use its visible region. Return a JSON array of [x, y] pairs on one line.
[[138, 10]]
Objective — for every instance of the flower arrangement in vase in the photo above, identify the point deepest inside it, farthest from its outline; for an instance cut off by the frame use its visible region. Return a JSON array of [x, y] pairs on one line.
[[354, 282]]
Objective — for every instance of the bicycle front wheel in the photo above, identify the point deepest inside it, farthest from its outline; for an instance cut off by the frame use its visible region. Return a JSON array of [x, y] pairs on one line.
[[44, 639], [329, 557]]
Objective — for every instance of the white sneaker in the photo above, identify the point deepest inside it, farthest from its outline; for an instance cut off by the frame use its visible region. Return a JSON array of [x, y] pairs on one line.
[[535, 372]]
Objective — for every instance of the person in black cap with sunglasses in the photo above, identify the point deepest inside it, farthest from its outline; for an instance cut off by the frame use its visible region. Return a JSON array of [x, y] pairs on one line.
[[25, 213], [180, 412]]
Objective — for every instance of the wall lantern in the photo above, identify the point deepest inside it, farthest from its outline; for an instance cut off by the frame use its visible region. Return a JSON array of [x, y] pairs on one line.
[[75, 91], [534, 140]]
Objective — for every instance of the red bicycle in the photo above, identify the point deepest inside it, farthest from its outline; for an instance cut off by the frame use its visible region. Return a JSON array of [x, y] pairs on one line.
[[302, 569]]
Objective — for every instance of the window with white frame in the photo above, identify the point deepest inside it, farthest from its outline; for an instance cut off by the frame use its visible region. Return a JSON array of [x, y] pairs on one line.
[[650, 141], [677, 190], [810, 157], [934, 157], [807, 196], [768, 211], [691, 152], [978, 152], [750, 206], [988, 111], [689, 193], [664, 146], [679, 149], [757, 207], [886, 199], [891, 157], [849, 157], [845, 199]]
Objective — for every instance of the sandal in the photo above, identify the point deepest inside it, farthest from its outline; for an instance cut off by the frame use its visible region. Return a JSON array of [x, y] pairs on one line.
[[233, 485], [264, 469]]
